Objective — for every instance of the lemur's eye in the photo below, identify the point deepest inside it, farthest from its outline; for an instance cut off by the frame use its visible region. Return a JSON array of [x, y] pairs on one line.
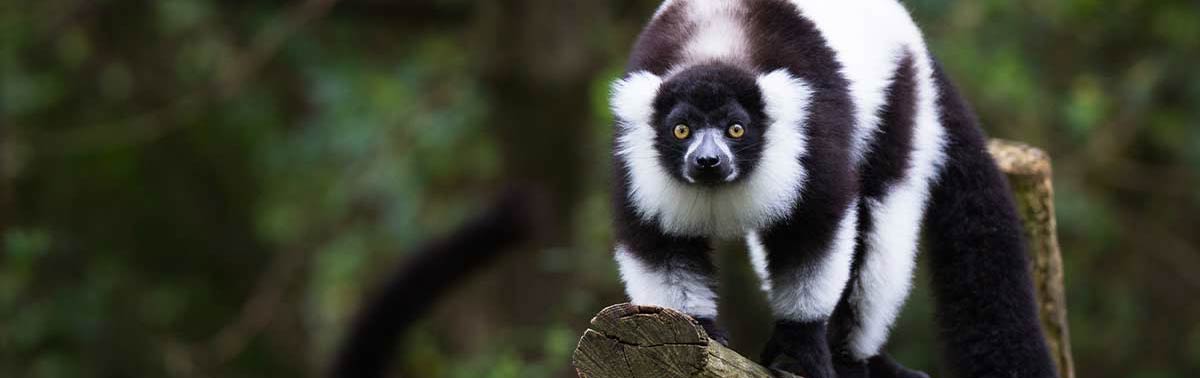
[[736, 131], [682, 131]]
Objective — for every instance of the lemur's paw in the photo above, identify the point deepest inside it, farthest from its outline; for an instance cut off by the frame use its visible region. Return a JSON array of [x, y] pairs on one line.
[[846, 368], [799, 348], [786, 370], [883, 366], [804, 369], [714, 331]]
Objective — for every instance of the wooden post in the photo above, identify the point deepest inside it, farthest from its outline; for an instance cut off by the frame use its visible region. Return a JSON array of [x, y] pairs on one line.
[[1028, 171], [627, 340]]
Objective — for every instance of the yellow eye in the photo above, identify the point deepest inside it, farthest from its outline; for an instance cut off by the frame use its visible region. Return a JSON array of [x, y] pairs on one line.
[[736, 131], [682, 131]]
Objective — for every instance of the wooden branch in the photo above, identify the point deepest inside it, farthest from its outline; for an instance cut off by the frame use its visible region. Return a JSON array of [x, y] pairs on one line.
[[628, 340], [1029, 174]]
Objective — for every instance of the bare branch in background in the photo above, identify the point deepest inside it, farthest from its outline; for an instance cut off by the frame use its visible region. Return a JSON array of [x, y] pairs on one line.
[[267, 43], [7, 147], [260, 308]]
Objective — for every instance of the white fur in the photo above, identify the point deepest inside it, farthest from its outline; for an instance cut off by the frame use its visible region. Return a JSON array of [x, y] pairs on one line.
[[662, 8], [765, 195], [885, 277], [815, 290], [758, 260], [868, 37], [633, 98], [717, 33], [669, 286]]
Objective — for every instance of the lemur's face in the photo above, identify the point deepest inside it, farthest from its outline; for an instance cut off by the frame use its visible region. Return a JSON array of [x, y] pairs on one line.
[[711, 149], [709, 125]]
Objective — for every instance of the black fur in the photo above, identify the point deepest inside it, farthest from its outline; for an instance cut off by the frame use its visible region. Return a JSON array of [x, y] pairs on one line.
[[714, 330], [883, 366], [660, 44], [879, 366], [799, 347], [888, 159], [412, 290], [985, 303]]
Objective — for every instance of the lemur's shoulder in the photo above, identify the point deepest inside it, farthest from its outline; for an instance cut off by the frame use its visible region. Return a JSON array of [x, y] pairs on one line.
[[854, 46], [858, 31]]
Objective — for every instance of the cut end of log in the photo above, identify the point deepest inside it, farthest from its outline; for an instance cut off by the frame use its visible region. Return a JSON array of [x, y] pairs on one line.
[[628, 340], [1018, 158]]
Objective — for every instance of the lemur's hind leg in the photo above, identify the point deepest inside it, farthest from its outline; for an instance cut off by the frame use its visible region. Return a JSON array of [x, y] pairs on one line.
[[897, 174], [673, 272], [879, 285], [806, 265]]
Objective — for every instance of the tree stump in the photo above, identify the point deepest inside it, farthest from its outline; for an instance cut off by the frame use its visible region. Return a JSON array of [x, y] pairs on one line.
[[628, 340], [1028, 171]]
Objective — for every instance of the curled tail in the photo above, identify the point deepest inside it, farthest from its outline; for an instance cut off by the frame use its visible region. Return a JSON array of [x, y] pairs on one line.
[[980, 269], [434, 269]]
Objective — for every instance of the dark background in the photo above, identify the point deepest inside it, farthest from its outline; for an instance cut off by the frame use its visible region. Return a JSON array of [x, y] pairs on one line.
[[206, 188]]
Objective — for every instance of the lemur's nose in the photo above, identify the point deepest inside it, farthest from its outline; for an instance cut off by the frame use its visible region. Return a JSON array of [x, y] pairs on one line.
[[708, 161]]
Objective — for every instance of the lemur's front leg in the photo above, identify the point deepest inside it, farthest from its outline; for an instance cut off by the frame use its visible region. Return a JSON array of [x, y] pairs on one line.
[[806, 262], [669, 271]]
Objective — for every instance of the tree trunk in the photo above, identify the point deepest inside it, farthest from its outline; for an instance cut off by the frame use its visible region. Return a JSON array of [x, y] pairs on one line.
[[537, 62]]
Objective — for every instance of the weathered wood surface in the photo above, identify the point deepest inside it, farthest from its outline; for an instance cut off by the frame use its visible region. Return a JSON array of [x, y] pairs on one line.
[[1029, 174], [640, 341], [628, 340]]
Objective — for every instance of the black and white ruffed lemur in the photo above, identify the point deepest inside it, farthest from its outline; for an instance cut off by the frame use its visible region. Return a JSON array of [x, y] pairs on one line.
[[825, 134]]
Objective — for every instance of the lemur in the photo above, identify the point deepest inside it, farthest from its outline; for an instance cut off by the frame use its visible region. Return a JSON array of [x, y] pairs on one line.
[[825, 134]]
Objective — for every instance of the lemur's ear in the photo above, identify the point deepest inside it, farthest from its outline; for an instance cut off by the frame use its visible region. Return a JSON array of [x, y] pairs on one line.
[[786, 97], [633, 97]]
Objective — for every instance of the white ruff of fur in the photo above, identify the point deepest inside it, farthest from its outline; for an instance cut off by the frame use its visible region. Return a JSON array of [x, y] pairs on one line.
[[812, 292], [670, 286], [765, 195]]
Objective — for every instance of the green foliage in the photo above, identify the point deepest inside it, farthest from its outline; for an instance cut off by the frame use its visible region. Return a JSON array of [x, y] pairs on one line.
[[159, 160]]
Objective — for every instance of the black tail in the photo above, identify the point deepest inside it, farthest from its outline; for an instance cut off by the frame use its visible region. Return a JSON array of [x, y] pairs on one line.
[[437, 266], [981, 280]]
